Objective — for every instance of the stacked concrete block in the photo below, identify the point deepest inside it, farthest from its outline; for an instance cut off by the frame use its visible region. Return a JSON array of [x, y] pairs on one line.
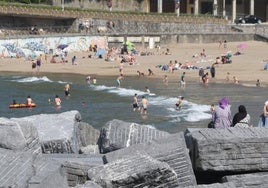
[[171, 150], [76, 166], [248, 180], [119, 134], [230, 150], [58, 133], [134, 171]]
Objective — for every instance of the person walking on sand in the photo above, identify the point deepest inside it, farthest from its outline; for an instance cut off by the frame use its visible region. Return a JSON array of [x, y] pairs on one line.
[[67, 90], [135, 102], [144, 103]]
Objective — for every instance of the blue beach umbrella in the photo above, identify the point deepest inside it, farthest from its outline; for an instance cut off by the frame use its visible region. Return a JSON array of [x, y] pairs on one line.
[[100, 52]]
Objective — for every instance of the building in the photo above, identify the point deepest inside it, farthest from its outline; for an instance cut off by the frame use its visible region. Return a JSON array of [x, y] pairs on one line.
[[230, 9]]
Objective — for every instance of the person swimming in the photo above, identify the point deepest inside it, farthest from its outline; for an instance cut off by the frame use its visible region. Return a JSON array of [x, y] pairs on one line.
[[57, 100]]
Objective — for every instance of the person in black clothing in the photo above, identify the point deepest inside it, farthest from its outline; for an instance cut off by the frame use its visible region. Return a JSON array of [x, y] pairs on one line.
[[212, 71]]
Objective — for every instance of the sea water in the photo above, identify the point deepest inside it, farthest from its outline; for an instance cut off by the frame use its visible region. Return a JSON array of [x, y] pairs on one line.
[[104, 101]]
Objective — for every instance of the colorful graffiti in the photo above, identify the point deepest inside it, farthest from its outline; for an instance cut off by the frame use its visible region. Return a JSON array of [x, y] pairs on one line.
[[35, 46]]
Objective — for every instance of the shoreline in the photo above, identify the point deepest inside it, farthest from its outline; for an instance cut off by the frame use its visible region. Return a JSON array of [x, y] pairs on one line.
[[247, 67]]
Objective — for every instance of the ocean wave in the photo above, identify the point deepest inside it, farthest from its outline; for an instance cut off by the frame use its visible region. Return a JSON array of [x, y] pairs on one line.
[[33, 79]]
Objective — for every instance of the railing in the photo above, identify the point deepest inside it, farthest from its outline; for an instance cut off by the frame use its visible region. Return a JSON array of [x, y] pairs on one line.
[[128, 28]]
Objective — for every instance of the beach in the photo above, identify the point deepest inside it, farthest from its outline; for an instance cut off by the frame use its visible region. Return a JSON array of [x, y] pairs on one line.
[[247, 67], [105, 101]]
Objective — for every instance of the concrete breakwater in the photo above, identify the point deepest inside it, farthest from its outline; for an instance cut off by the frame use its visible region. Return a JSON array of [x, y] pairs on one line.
[[59, 150]]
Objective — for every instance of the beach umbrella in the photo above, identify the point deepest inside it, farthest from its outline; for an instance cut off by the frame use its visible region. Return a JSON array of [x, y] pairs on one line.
[[242, 46], [62, 46]]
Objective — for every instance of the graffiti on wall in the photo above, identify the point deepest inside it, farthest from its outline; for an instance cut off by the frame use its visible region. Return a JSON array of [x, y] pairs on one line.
[[35, 46]]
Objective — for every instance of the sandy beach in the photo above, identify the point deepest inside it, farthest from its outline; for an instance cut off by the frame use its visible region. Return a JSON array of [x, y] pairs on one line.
[[247, 67]]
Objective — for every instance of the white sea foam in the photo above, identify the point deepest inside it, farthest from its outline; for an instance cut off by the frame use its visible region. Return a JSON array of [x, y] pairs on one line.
[[190, 112], [33, 79]]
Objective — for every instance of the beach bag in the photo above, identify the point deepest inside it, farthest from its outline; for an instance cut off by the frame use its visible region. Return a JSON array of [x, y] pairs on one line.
[[211, 125]]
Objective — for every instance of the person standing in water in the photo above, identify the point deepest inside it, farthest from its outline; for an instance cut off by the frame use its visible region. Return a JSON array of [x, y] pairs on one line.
[[119, 79], [135, 102], [179, 103], [147, 90], [57, 100], [144, 106], [182, 82], [67, 90]]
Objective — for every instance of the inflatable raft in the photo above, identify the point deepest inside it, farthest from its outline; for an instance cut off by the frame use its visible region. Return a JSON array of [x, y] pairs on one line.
[[22, 105]]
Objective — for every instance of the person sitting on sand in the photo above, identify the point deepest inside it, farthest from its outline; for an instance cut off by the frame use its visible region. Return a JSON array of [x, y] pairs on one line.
[[236, 81], [167, 52], [140, 73], [227, 78], [53, 60], [258, 83]]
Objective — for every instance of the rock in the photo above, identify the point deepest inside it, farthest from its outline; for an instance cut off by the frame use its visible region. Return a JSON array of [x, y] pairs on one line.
[[16, 168], [215, 185], [119, 134], [134, 171], [228, 150], [248, 180], [76, 166], [89, 184], [25, 169], [90, 149], [171, 149], [88, 134], [58, 133], [18, 136], [48, 173]]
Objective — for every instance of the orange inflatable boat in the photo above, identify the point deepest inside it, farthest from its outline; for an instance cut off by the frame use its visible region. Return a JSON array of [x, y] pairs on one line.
[[22, 105]]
